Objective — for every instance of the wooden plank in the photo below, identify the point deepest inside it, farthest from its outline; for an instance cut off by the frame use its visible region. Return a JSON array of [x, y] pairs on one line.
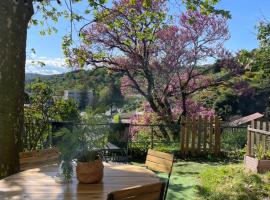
[[157, 167], [248, 141], [217, 135], [160, 154], [205, 130], [211, 134], [148, 192], [252, 129], [259, 131], [199, 133], [145, 196], [36, 153], [251, 163], [187, 124], [158, 160], [258, 136], [193, 132], [38, 159], [263, 142], [252, 124]]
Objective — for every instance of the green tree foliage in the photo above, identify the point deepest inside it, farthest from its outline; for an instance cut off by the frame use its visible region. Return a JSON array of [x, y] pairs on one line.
[[65, 110], [84, 99], [41, 111], [226, 104], [37, 115], [248, 92], [206, 6], [111, 96], [258, 60]]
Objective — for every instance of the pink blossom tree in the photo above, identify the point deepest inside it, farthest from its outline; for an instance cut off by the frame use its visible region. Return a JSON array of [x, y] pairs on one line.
[[160, 58]]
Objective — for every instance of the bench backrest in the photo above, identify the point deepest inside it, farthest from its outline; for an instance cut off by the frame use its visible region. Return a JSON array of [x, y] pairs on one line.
[[159, 161], [142, 192], [38, 158]]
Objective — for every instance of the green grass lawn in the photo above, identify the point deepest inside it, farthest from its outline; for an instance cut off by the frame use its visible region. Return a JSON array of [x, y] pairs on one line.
[[216, 181], [185, 179]]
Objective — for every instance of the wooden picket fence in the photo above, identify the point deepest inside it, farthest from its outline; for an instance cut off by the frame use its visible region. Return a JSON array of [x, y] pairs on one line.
[[200, 135], [258, 135]]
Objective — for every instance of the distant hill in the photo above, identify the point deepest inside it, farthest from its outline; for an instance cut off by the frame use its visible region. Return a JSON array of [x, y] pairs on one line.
[[77, 79], [29, 77]]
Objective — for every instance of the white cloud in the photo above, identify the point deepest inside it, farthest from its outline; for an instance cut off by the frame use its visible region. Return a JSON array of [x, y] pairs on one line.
[[52, 65]]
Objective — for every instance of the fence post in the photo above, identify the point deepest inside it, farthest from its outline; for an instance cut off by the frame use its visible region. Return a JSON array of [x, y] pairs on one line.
[[252, 138], [199, 134], [193, 128], [205, 130], [152, 138], [187, 133], [217, 135], [211, 150], [182, 135], [248, 141], [258, 136], [264, 138]]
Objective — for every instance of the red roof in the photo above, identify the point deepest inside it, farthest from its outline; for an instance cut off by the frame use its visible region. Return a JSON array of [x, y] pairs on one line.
[[246, 119]]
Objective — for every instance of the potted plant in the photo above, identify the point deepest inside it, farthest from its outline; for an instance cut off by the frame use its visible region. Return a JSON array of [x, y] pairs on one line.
[[260, 162], [83, 144]]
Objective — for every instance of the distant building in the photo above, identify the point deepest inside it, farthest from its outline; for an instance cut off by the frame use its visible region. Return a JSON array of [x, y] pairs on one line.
[[245, 121], [125, 118], [81, 97]]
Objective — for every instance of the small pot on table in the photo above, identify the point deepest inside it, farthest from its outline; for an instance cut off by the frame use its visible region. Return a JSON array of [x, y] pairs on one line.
[[90, 172]]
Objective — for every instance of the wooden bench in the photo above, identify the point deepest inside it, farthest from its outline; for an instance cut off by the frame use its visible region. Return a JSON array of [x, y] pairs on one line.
[[38, 158], [143, 192]]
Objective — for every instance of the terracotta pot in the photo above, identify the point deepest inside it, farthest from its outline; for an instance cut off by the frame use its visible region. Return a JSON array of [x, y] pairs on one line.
[[89, 172]]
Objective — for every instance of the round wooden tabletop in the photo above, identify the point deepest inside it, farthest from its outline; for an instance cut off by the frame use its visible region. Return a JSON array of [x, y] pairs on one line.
[[40, 183]]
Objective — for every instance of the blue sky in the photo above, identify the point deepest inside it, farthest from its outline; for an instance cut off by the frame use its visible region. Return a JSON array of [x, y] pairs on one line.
[[245, 15]]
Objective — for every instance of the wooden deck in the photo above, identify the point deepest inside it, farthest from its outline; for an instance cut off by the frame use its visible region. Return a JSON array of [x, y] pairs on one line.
[[40, 184]]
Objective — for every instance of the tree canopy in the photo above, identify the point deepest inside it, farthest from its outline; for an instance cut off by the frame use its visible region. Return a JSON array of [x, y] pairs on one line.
[[159, 59]]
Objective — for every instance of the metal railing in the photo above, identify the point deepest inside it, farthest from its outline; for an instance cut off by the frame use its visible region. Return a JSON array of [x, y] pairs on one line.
[[140, 137]]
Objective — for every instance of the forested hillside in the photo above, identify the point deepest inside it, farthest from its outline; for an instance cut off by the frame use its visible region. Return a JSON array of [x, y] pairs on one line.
[[104, 85], [243, 96], [78, 80]]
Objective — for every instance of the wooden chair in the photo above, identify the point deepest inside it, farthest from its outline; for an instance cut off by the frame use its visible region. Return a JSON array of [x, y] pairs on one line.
[[160, 162], [38, 158], [143, 192]]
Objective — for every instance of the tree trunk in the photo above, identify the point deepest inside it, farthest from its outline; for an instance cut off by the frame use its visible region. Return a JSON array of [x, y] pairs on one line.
[[15, 15], [184, 105]]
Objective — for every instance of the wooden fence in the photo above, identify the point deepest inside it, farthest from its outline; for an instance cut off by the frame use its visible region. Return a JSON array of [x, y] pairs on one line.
[[200, 135], [258, 135]]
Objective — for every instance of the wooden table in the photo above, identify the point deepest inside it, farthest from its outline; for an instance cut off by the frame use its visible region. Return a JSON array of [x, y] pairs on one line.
[[39, 183]]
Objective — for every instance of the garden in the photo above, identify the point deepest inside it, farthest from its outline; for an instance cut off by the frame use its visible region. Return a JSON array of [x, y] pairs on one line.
[[148, 99]]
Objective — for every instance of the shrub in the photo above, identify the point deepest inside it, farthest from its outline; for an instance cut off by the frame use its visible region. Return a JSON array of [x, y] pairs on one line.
[[231, 182], [233, 142]]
